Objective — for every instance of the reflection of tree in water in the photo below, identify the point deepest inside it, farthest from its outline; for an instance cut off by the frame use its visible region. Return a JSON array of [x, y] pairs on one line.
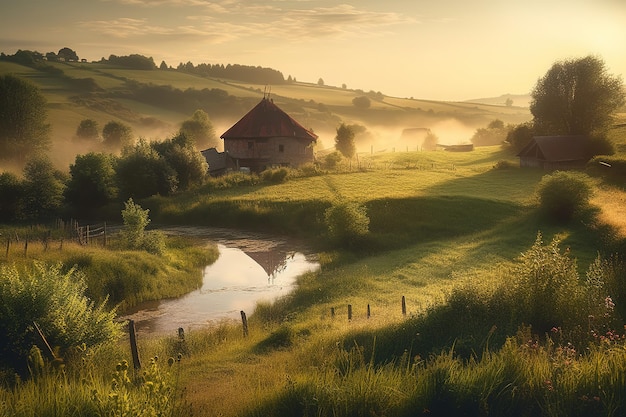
[[273, 262]]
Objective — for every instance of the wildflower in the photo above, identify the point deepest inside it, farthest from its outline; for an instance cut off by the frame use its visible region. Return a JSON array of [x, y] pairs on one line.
[[608, 302]]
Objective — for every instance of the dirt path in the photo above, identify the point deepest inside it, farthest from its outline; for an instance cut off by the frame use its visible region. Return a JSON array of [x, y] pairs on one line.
[[612, 203]]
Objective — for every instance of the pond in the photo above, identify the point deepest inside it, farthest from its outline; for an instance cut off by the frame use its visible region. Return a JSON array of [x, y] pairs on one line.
[[251, 267]]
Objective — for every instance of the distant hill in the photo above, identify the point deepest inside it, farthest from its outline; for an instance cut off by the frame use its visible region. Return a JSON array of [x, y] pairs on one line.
[[518, 100], [155, 102]]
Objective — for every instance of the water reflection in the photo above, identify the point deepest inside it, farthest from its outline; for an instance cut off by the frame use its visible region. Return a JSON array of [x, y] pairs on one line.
[[250, 268]]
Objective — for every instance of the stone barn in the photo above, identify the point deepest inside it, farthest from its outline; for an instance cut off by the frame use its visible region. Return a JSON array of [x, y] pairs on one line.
[[268, 137], [555, 153]]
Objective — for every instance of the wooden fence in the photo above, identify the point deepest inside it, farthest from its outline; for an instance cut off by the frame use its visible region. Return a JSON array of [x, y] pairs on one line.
[[59, 233]]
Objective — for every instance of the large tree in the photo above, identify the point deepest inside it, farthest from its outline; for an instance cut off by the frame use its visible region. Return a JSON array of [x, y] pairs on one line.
[[88, 130], [576, 97], [344, 141], [23, 114]]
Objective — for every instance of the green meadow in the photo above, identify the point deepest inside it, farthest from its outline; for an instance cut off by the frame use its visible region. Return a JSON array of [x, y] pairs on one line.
[[458, 236]]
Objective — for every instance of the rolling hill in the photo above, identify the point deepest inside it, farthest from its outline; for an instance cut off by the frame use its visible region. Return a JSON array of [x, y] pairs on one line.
[[155, 102]]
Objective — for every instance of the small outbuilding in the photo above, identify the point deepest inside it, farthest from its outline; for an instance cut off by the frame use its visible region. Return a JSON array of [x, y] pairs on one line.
[[555, 153], [267, 137]]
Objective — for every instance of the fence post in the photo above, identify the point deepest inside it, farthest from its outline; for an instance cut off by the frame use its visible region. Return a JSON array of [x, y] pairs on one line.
[[8, 245], [349, 312], [25, 247], [403, 306], [133, 344], [332, 312], [368, 311], [105, 234], [87, 236], [244, 322]]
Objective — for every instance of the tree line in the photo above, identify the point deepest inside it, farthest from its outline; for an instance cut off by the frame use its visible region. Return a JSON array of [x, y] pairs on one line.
[[245, 73]]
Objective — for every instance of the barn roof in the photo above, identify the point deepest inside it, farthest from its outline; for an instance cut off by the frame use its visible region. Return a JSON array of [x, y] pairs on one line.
[[267, 120], [556, 148]]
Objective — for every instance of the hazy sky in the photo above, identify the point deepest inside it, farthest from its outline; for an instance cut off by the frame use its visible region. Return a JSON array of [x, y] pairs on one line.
[[432, 49]]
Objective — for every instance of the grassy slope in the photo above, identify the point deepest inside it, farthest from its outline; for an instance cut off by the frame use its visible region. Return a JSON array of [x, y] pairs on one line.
[[437, 227]]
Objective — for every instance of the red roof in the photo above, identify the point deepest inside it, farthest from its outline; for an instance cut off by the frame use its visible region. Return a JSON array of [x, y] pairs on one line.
[[266, 120]]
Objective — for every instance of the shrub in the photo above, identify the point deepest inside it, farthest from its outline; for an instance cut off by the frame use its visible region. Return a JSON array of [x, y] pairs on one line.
[[276, 175], [347, 222], [332, 160], [563, 194], [547, 288], [133, 235], [54, 300]]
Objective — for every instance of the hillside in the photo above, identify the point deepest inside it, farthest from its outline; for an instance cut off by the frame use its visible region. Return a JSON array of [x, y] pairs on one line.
[[155, 102]]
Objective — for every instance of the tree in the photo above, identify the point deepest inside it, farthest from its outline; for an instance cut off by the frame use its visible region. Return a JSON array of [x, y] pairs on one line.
[[88, 130], [430, 142], [163, 65], [23, 127], [494, 134], [520, 135], [142, 172], [180, 154], [117, 135], [12, 192], [43, 189], [344, 141], [200, 129], [67, 54], [320, 82], [576, 97], [92, 182], [362, 102]]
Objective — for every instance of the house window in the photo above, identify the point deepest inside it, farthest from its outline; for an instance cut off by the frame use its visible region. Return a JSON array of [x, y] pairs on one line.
[[281, 148], [250, 145]]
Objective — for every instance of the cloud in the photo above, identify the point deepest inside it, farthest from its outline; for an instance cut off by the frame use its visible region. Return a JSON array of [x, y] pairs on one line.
[[226, 20]]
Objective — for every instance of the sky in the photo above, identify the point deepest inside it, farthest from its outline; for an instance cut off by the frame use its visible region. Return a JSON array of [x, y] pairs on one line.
[[450, 50]]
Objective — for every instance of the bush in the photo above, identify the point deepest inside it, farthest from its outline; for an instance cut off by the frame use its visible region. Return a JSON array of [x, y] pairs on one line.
[[347, 222], [133, 235], [547, 290], [276, 175], [54, 300], [562, 194]]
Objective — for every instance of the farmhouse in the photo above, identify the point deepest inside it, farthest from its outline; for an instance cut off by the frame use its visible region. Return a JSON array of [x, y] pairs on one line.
[[266, 137], [555, 152]]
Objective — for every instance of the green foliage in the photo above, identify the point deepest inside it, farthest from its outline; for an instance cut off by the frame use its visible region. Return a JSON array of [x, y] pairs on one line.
[[88, 130], [547, 289], [12, 191], [275, 175], [347, 222], [344, 141], [200, 129], [117, 135], [520, 135], [92, 183], [142, 172], [23, 113], [43, 189], [181, 155], [134, 61], [332, 160], [563, 194], [576, 97], [134, 235], [56, 301]]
